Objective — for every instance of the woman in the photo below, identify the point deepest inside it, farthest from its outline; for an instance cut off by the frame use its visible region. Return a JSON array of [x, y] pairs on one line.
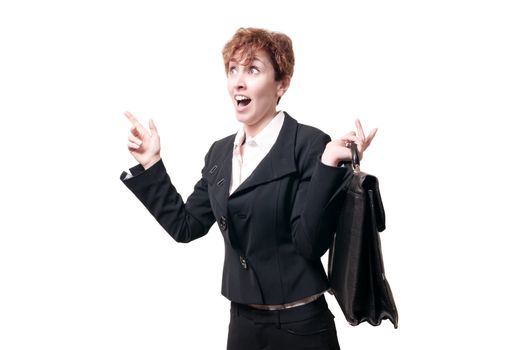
[[271, 187]]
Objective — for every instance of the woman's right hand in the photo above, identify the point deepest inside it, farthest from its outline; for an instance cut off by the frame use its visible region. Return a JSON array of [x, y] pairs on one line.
[[143, 144]]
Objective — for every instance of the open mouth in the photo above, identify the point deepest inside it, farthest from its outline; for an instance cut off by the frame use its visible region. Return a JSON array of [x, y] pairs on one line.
[[242, 100]]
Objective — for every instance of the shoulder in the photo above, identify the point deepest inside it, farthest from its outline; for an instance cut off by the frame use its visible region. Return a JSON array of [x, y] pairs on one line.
[[308, 136], [227, 141], [220, 148], [310, 133]]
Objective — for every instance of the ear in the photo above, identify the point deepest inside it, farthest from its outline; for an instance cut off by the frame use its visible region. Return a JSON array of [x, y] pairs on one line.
[[283, 85]]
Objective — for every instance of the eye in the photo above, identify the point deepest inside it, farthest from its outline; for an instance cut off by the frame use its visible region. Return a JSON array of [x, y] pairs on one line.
[[233, 70], [254, 70]]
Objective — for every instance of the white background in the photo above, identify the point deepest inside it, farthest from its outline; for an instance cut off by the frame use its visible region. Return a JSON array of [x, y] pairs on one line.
[[84, 266]]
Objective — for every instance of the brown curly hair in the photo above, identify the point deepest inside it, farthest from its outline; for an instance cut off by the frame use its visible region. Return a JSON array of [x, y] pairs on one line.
[[247, 41]]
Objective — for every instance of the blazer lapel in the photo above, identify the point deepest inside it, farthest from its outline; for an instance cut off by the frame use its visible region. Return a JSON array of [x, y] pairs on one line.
[[279, 162]]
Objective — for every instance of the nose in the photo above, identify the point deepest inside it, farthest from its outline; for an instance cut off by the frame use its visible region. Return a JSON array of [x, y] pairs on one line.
[[239, 80]]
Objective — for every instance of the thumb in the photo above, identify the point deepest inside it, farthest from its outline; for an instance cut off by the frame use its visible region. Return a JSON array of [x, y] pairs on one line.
[[153, 129]]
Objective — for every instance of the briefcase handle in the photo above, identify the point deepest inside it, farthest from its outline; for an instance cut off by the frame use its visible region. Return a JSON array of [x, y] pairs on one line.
[[355, 160]]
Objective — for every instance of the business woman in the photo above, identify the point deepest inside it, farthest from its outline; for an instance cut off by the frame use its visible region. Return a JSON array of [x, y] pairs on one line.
[[272, 188]]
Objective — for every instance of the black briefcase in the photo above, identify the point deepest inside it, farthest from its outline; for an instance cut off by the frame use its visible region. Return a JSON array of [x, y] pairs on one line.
[[355, 266]]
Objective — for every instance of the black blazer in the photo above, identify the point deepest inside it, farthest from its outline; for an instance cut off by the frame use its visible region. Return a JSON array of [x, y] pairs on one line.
[[276, 225]]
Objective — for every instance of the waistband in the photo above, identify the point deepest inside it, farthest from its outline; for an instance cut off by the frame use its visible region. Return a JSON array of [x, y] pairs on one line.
[[290, 305], [293, 314]]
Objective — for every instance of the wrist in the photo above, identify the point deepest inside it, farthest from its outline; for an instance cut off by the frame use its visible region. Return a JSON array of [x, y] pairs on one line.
[[151, 162], [329, 160]]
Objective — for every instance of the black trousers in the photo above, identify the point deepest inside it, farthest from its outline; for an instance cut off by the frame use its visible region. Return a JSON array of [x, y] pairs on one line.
[[309, 326]]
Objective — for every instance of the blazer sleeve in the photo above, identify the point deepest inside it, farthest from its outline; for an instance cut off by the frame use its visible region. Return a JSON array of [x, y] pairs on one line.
[[183, 221], [316, 206]]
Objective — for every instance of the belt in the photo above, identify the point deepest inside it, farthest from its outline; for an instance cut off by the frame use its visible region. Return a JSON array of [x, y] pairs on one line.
[[294, 314], [290, 305]]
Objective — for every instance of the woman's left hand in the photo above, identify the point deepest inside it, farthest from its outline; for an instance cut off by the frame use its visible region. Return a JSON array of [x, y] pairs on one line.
[[336, 150]]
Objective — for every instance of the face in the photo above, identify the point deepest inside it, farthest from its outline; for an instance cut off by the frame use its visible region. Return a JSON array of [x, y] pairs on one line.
[[254, 91]]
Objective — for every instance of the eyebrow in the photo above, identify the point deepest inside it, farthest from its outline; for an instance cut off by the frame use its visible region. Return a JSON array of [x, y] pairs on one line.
[[232, 61]]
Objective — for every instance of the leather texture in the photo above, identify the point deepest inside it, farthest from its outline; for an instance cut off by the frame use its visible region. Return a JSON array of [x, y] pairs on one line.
[[355, 266]]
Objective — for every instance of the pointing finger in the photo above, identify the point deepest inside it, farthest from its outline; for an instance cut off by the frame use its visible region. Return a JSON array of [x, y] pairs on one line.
[[135, 122], [131, 117]]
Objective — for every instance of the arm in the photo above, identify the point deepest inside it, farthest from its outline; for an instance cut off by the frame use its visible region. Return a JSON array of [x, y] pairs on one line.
[[317, 203], [315, 211], [183, 221], [151, 184]]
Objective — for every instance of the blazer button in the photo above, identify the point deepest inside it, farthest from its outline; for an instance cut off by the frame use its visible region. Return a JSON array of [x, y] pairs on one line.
[[243, 262], [223, 223]]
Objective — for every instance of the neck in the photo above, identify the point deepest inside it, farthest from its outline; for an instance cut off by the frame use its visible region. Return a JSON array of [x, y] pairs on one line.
[[253, 129]]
